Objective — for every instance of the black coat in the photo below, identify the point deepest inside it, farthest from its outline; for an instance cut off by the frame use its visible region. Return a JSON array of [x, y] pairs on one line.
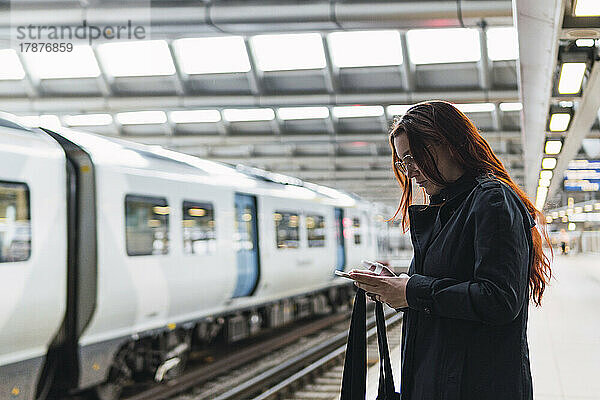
[[465, 328]]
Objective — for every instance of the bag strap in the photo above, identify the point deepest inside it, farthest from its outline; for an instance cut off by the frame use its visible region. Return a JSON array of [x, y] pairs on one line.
[[354, 381], [386, 390]]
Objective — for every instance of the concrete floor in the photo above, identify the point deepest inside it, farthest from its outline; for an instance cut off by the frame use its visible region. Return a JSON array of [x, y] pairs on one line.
[[564, 334]]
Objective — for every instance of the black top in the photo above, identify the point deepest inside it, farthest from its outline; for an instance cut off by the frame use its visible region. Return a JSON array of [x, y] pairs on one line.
[[464, 332]]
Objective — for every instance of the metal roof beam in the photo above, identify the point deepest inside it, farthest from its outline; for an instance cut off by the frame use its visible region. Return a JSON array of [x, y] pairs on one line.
[[255, 75], [340, 175], [319, 175], [331, 71], [178, 79], [374, 137], [363, 160], [484, 62], [408, 67], [99, 104], [538, 24]]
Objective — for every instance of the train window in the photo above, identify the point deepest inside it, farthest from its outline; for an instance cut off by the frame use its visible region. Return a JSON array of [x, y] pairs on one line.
[[286, 229], [356, 226], [315, 227], [198, 228], [147, 225], [15, 224]]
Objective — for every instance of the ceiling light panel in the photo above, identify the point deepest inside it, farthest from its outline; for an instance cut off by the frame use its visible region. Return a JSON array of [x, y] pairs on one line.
[[585, 42], [476, 107], [432, 46], [546, 174], [288, 52], [142, 117], [544, 182], [559, 122], [50, 121], [505, 107], [289, 113], [142, 58], [548, 163], [248, 114], [357, 111], [587, 8], [88, 119], [79, 63], [212, 55], [45, 121], [571, 77], [397, 109], [31, 121], [502, 43], [540, 198], [365, 48], [11, 65], [194, 116], [553, 146]]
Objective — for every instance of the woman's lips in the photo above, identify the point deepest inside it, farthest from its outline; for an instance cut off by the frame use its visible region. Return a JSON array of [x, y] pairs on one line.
[[421, 183]]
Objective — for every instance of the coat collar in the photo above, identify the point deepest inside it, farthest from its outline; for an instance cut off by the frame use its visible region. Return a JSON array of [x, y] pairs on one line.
[[467, 181], [424, 224]]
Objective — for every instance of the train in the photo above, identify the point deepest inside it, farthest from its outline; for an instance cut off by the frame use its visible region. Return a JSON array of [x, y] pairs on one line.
[[117, 259]]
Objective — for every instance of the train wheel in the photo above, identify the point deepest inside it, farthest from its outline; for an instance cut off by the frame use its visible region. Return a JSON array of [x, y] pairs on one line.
[[109, 391], [180, 368], [179, 345], [119, 376], [173, 367]]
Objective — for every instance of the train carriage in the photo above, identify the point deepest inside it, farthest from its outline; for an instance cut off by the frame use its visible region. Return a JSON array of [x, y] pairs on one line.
[[136, 251], [33, 254]]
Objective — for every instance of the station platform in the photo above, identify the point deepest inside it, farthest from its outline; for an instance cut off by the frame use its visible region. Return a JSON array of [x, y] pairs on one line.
[[564, 334]]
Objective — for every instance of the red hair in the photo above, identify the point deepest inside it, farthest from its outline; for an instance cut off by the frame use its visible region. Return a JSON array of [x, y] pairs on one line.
[[439, 122]]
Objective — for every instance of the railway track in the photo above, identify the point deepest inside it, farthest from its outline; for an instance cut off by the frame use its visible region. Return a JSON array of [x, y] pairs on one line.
[[207, 376], [290, 362], [322, 378]]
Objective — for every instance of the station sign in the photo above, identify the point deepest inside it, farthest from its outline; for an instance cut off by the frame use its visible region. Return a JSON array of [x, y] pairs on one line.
[[582, 176], [585, 217]]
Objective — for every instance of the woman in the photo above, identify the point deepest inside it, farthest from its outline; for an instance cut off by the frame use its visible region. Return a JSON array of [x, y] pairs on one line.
[[477, 261]]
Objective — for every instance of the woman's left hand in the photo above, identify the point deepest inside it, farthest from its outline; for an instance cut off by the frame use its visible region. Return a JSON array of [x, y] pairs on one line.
[[388, 289]]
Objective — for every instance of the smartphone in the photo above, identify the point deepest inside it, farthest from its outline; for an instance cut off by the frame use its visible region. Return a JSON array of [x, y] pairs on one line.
[[342, 274], [368, 264]]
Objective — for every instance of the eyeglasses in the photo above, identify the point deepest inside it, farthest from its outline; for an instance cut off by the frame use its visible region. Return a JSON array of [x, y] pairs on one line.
[[407, 162]]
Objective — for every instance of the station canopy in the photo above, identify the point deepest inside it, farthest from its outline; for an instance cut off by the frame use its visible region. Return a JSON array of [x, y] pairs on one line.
[[306, 89]]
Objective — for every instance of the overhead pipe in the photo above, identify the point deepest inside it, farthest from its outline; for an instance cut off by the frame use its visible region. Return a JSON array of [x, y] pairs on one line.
[[260, 16]]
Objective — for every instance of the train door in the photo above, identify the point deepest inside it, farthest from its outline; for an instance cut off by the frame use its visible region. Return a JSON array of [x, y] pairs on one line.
[[340, 245], [246, 245]]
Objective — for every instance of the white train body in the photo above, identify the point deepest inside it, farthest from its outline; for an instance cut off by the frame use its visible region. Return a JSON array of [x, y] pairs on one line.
[[188, 278], [32, 289]]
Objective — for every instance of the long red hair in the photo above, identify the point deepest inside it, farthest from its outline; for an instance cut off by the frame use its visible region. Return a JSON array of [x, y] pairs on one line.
[[439, 122]]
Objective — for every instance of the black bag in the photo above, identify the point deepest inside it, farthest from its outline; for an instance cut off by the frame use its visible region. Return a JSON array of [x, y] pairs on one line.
[[354, 381]]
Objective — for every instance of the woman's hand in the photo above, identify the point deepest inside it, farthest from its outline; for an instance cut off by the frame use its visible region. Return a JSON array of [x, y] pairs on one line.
[[388, 289]]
